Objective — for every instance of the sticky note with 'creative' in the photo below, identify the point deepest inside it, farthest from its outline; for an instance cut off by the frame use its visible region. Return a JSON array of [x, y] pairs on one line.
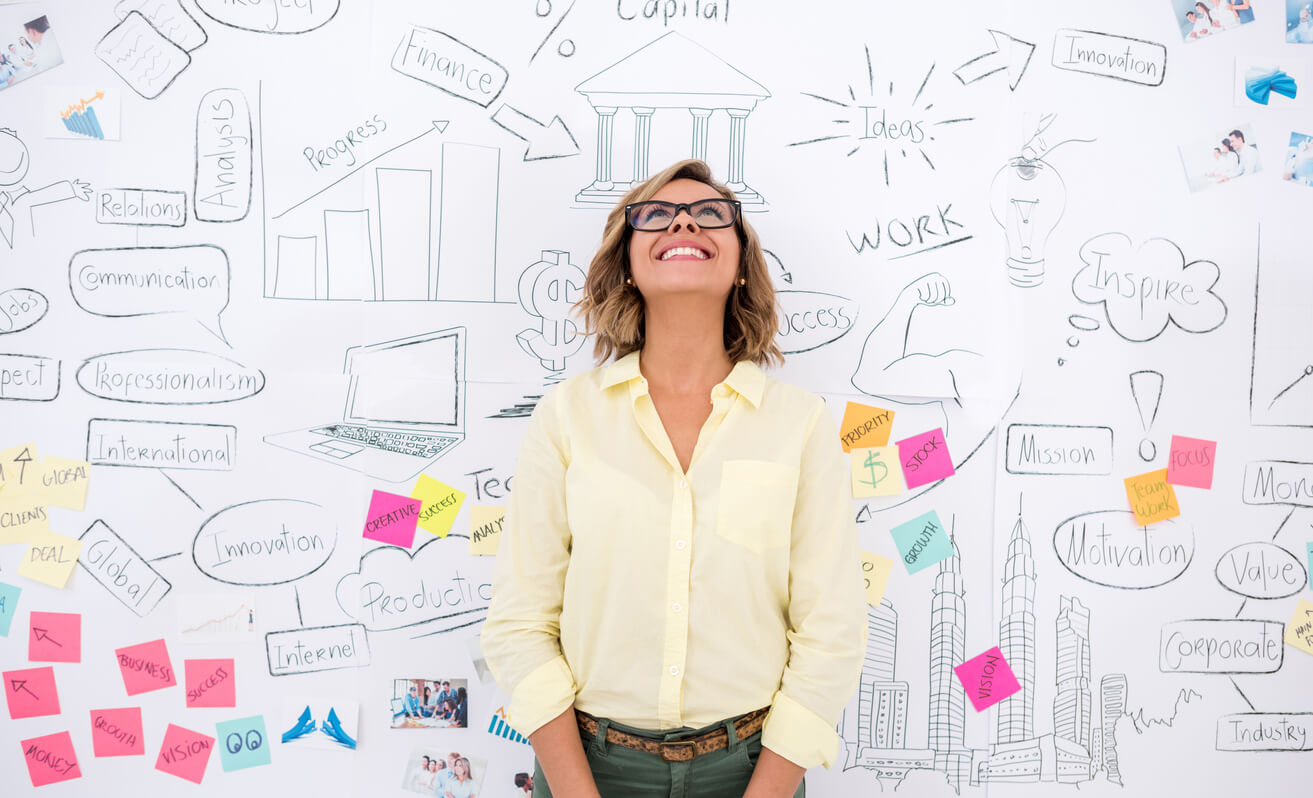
[[392, 518]]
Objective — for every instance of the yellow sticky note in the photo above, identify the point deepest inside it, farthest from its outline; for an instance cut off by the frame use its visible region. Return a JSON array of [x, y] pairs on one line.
[[865, 426], [22, 518], [876, 472], [1299, 633], [876, 569], [441, 504], [1152, 497], [485, 528], [50, 559], [18, 466], [63, 482]]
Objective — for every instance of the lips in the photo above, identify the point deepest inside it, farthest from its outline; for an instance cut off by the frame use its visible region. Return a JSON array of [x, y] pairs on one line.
[[683, 250]]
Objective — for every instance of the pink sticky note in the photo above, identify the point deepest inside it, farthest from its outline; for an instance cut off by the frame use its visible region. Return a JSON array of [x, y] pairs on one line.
[[392, 518], [31, 693], [145, 667], [925, 458], [185, 753], [210, 682], [55, 637], [987, 679], [50, 759], [1191, 462], [117, 732]]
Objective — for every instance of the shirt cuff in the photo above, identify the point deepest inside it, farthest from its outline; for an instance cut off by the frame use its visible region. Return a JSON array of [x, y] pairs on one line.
[[541, 696], [798, 734]]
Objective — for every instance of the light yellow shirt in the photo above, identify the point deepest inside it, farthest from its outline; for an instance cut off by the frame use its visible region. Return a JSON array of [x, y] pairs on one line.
[[661, 599]]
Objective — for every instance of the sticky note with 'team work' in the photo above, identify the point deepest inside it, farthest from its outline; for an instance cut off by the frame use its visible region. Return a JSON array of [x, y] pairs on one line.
[[925, 458], [392, 518], [987, 679], [864, 426], [1152, 497], [922, 542], [145, 667]]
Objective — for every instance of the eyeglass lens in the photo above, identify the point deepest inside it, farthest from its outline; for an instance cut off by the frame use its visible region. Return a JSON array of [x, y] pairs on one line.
[[657, 215]]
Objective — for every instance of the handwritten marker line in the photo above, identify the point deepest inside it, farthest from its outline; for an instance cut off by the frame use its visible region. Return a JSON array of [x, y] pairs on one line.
[[165, 557], [299, 620], [1242, 694], [180, 490], [936, 246], [1283, 524], [1243, 602]]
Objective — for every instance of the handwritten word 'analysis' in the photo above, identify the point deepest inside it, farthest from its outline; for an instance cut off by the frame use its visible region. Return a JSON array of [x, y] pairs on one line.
[[224, 163]]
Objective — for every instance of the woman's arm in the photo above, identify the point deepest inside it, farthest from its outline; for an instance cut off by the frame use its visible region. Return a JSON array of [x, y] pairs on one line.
[[561, 754]]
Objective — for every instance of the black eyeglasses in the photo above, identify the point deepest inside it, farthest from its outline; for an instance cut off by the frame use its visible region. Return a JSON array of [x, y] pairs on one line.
[[655, 215]]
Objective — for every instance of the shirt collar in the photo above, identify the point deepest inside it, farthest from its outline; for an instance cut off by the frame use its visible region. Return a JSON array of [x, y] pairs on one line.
[[746, 378]]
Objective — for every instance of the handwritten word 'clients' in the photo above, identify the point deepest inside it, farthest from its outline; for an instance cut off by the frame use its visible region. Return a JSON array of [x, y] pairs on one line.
[[342, 151]]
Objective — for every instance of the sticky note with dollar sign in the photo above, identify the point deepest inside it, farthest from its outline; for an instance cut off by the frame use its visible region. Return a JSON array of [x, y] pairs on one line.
[[876, 472], [548, 289]]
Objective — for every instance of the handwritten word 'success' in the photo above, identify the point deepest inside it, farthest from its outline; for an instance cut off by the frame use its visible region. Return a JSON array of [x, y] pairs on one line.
[[342, 150]]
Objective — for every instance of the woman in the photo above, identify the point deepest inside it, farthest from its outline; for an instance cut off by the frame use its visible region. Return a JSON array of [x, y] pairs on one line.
[[460, 784], [677, 601], [424, 777], [426, 708], [461, 714]]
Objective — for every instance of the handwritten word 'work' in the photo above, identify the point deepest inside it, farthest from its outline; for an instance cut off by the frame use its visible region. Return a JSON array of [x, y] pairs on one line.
[[925, 231]]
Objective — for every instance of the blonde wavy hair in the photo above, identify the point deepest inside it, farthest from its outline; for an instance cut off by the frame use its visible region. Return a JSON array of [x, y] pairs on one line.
[[613, 311]]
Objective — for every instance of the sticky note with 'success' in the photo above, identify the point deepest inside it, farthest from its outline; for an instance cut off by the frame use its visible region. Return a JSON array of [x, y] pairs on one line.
[[439, 504], [117, 732], [50, 559], [987, 679], [876, 472], [145, 667], [1190, 462], [184, 753], [392, 518], [876, 571], [210, 682], [485, 529], [922, 542], [864, 426], [54, 637], [1152, 497], [51, 759], [925, 458]]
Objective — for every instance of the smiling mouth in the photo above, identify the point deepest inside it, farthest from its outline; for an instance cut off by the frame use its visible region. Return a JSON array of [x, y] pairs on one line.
[[675, 252]]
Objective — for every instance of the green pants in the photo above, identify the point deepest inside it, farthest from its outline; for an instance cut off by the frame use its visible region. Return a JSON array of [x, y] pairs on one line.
[[626, 773]]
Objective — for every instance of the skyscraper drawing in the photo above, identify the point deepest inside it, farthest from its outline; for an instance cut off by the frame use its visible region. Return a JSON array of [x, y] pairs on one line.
[[881, 702], [1112, 694], [1073, 706], [1015, 715], [947, 651]]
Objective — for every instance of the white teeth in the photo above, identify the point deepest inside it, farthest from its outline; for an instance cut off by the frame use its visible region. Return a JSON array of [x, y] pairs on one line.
[[673, 251]]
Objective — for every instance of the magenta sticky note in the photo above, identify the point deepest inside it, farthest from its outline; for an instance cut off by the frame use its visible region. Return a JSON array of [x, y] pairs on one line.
[[31, 693], [55, 637], [925, 458], [392, 518], [210, 682], [185, 753], [117, 732], [987, 679], [1190, 462], [50, 759], [145, 667]]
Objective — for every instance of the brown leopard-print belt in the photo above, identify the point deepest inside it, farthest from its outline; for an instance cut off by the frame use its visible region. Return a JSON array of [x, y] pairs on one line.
[[678, 750]]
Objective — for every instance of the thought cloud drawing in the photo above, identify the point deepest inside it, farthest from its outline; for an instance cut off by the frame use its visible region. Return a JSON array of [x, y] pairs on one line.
[[1144, 288]]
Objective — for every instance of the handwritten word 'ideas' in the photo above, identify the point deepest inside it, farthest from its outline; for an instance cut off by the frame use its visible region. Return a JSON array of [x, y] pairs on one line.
[[265, 542]]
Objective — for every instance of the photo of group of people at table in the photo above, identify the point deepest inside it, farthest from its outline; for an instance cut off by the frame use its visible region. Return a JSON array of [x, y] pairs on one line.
[[28, 52], [430, 704]]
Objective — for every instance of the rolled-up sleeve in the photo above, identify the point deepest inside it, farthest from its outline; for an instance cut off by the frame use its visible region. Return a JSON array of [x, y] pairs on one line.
[[521, 637], [826, 609]]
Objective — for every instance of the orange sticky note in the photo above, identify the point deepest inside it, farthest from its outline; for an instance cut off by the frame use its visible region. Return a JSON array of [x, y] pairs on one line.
[[865, 426], [876, 570], [1152, 497]]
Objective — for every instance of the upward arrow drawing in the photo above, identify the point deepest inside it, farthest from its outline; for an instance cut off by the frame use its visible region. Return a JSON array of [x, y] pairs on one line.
[[43, 634], [21, 684]]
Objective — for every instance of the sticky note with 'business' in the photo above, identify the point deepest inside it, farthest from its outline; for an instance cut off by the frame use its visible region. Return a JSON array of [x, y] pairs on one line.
[[145, 667]]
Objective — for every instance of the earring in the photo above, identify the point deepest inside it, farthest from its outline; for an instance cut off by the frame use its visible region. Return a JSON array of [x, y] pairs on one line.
[[629, 281], [743, 281]]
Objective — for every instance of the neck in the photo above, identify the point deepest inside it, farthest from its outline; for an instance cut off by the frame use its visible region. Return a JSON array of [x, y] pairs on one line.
[[684, 346]]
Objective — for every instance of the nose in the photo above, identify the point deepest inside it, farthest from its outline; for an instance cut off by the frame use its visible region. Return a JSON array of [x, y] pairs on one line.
[[690, 225]]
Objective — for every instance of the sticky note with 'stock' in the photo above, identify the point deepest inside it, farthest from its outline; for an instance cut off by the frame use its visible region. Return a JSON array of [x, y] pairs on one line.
[[439, 504], [876, 571], [8, 606], [31, 693], [876, 472], [485, 529], [987, 679], [51, 759], [117, 732], [54, 637], [1152, 497], [185, 753], [925, 458], [1190, 462], [1299, 632], [864, 426], [210, 682], [392, 518], [922, 542], [145, 667]]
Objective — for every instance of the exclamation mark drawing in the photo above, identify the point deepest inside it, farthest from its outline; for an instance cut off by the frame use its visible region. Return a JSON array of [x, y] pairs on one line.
[[1147, 391]]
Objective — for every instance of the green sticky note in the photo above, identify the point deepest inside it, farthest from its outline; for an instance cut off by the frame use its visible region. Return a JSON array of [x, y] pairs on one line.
[[922, 542], [8, 606], [243, 743]]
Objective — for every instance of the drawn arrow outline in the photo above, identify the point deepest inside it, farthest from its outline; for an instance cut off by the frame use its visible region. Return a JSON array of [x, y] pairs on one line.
[[21, 684], [44, 634], [997, 60], [545, 141]]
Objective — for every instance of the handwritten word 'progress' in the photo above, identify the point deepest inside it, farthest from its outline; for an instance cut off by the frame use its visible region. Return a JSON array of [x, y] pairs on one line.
[[342, 152]]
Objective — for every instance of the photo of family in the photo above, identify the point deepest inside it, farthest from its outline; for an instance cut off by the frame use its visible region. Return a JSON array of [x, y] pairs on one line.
[[1220, 158], [1299, 22], [445, 775], [1298, 167], [1207, 18], [430, 704], [28, 51]]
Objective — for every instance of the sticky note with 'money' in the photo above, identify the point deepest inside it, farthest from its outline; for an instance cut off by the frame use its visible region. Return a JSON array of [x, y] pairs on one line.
[[31, 693], [922, 542], [210, 682], [145, 667], [50, 759], [392, 518], [864, 426], [485, 529], [987, 679], [50, 559], [1190, 462], [184, 753], [8, 606], [117, 732], [1299, 632], [243, 743], [54, 637], [63, 482], [876, 472], [1152, 497], [440, 504], [925, 458], [876, 571]]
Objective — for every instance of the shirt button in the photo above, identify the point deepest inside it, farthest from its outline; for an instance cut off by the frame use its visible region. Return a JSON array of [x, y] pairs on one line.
[[674, 670], [680, 544], [683, 484], [675, 607]]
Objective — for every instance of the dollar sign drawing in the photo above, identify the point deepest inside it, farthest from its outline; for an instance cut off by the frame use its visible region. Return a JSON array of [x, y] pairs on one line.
[[872, 462], [548, 289]]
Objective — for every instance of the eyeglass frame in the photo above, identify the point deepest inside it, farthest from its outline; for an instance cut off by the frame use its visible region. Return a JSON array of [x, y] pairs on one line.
[[687, 207]]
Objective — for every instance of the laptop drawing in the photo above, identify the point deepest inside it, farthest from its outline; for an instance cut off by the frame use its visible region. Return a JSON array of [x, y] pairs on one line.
[[405, 408]]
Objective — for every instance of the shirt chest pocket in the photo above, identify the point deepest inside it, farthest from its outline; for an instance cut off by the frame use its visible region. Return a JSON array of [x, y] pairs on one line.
[[756, 503]]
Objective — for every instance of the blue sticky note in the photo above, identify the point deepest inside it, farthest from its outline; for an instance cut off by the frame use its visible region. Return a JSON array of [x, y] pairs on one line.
[[9, 604], [922, 542], [243, 743]]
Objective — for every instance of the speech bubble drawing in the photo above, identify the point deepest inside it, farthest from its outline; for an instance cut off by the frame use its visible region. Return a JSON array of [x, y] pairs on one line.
[[264, 542], [1108, 548], [1143, 289], [271, 16], [811, 319], [144, 281], [1261, 570], [439, 583], [168, 377], [20, 308]]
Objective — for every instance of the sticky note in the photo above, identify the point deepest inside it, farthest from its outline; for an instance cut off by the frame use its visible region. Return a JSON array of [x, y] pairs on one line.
[[117, 732], [485, 529], [925, 458], [243, 743], [31, 692], [9, 605], [17, 465], [50, 759], [1152, 497], [145, 667], [876, 472], [55, 637], [63, 482], [987, 679], [922, 542], [864, 426], [50, 559], [1299, 632], [392, 518], [185, 753], [440, 504], [1190, 462], [210, 682], [23, 518], [876, 571]]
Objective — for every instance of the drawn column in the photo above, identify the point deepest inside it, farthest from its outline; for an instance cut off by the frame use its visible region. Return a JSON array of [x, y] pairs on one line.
[[738, 124], [605, 122], [701, 122], [642, 133]]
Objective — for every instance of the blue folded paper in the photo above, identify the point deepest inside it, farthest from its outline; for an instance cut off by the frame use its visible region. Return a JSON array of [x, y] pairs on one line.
[[1260, 83]]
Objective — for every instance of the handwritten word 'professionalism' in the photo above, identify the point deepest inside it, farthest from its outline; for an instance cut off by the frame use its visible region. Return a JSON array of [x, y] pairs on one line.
[[91, 278], [166, 379]]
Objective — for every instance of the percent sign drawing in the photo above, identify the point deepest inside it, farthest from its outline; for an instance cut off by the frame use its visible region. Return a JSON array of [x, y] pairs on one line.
[[565, 48], [548, 290]]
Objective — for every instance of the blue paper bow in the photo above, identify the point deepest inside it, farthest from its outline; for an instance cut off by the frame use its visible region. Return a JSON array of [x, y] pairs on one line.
[[1260, 83]]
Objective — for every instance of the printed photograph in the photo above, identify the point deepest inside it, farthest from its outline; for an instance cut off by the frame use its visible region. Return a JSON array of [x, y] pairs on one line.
[[27, 50], [1270, 81], [218, 618], [1206, 19], [432, 771], [1299, 22], [430, 704], [1298, 167], [327, 722], [1221, 157]]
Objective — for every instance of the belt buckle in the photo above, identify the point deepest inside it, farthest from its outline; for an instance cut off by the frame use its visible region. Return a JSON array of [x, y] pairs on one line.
[[671, 751]]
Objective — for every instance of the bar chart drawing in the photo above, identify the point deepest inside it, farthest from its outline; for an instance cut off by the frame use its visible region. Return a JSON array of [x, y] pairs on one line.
[[497, 725]]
